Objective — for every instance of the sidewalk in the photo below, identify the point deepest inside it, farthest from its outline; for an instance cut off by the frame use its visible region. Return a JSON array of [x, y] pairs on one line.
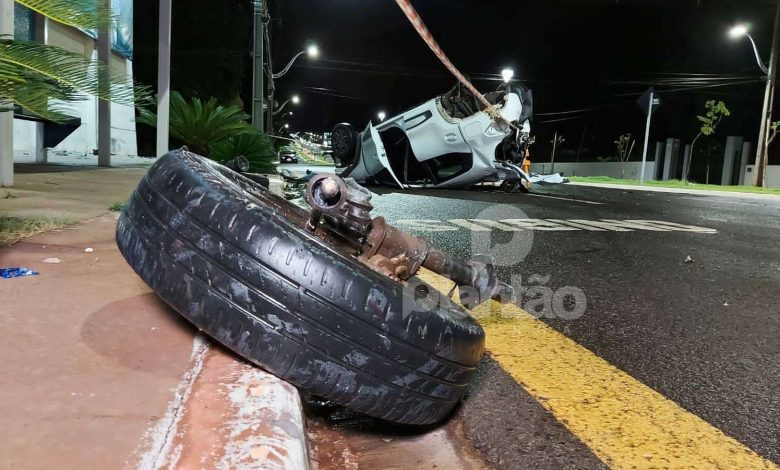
[[700, 192], [99, 373]]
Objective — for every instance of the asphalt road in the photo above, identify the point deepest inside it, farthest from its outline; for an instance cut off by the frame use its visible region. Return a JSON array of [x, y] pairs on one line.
[[691, 310]]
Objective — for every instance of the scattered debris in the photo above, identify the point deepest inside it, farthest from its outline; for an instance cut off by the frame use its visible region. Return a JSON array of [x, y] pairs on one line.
[[52, 261], [688, 259], [9, 273], [554, 178], [88, 250]]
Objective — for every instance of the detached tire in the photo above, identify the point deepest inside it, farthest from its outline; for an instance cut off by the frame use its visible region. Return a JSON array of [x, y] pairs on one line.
[[232, 258]]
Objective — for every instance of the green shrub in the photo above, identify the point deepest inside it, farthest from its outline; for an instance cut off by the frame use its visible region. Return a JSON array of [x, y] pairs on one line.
[[198, 124], [255, 146]]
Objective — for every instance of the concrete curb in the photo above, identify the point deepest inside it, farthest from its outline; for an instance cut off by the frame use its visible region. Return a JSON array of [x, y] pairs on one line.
[[699, 192], [227, 413]]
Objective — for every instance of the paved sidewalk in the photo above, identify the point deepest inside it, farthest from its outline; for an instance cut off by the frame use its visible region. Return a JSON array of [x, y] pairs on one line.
[[698, 192], [99, 373]]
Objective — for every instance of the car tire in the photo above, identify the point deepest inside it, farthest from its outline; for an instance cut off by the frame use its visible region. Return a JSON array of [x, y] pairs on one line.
[[343, 143], [509, 186], [233, 259]]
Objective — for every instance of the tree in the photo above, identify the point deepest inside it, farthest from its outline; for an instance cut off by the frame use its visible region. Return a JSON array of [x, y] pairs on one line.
[[556, 141], [625, 145], [32, 74], [714, 112]]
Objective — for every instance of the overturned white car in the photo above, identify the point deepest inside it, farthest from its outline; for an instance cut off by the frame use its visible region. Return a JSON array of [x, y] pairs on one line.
[[447, 142]]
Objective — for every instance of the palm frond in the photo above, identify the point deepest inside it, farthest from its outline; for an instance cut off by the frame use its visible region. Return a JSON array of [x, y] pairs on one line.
[[200, 124], [68, 69], [86, 14], [255, 146], [34, 98]]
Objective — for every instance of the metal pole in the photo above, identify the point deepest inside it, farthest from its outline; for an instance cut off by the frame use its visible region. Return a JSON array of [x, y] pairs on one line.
[[258, 88], [762, 153], [164, 78], [647, 139], [104, 105], [7, 118]]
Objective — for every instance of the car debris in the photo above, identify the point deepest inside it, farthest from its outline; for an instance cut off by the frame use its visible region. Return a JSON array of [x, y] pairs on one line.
[[326, 299], [446, 142], [52, 261]]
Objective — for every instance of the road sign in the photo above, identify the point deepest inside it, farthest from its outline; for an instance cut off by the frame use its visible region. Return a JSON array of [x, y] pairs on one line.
[[644, 100]]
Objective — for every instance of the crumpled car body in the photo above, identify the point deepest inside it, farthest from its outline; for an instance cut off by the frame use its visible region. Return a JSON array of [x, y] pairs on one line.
[[447, 142]]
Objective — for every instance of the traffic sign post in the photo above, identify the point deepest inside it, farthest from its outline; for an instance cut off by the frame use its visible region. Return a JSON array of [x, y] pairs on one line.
[[649, 102]]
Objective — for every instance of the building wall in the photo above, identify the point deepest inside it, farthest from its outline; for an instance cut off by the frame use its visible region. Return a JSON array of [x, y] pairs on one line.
[[84, 139], [772, 175]]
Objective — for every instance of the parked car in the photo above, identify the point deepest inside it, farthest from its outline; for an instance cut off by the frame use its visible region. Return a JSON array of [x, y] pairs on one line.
[[446, 142], [288, 156]]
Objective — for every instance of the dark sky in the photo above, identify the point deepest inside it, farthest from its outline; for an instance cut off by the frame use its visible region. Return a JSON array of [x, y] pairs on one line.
[[573, 54]]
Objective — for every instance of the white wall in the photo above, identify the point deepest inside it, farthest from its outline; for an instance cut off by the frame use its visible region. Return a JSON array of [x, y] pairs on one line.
[[628, 170], [772, 175], [84, 139]]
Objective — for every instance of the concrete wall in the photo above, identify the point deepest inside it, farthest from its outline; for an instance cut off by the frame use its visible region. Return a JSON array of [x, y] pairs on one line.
[[627, 170], [772, 175], [84, 139]]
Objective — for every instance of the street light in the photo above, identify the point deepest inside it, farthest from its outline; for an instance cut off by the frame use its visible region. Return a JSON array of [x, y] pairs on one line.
[[507, 75], [741, 30], [312, 51], [762, 153], [294, 99], [381, 115]]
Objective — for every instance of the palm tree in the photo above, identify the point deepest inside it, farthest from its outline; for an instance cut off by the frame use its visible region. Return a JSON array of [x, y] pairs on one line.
[[31, 74]]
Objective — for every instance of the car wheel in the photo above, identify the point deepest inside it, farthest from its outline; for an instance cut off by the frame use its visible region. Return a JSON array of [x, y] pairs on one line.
[[343, 142], [510, 186], [235, 260]]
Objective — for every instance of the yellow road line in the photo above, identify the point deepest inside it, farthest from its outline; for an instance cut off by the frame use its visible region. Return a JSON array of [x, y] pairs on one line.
[[624, 422]]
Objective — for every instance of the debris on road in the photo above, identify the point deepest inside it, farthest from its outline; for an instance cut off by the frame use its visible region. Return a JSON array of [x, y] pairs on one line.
[[52, 261], [555, 178], [88, 250], [10, 273], [688, 259], [377, 339]]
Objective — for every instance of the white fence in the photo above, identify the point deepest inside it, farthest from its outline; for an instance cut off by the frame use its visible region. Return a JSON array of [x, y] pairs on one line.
[[628, 170]]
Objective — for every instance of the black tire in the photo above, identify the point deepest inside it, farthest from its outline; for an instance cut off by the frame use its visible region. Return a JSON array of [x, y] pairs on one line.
[[343, 142], [232, 258], [510, 186]]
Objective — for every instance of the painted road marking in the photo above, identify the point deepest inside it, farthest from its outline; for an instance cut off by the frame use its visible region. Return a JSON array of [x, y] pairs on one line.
[[582, 201], [624, 422], [548, 225]]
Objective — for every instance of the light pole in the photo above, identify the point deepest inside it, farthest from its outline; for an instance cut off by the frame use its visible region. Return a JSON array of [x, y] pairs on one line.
[[313, 52], [294, 99], [762, 150]]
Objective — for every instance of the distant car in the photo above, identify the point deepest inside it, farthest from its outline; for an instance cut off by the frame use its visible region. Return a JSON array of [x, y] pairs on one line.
[[288, 156], [446, 142]]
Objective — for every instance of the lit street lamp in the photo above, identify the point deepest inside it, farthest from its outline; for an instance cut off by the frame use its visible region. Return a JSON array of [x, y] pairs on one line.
[[294, 99], [507, 75], [381, 115], [762, 153], [312, 51], [740, 30]]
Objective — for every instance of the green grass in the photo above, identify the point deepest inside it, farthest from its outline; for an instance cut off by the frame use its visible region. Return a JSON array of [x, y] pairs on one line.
[[116, 207], [674, 184], [13, 229]]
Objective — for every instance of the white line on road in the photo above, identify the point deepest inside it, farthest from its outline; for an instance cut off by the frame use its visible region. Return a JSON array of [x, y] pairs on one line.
[[581, 201]]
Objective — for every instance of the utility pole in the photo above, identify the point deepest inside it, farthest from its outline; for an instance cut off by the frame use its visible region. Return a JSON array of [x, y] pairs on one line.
[[6, 118], [104, 85], [164, 78], [762, 149], [258, 88]]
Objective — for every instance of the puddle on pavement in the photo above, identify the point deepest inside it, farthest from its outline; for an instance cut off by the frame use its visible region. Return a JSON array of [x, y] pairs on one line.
[[342, 439]]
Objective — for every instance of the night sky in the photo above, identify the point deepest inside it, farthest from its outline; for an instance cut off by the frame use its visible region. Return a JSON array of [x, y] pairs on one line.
[[593, 57]]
